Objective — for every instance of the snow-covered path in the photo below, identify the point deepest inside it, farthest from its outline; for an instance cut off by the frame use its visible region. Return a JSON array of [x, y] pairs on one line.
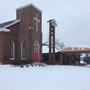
[[44, 78]]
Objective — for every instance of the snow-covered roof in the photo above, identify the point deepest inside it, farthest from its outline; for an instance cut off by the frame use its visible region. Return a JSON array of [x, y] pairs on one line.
[[29, 6], [4, 30], [6, 23], [9, 23], [75, 49], [16, 21]]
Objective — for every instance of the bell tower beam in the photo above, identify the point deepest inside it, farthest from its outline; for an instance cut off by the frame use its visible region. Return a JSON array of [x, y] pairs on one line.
[[52, 25]]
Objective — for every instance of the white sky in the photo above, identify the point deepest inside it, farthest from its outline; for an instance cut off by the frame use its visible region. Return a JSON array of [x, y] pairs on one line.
[[72, 16]]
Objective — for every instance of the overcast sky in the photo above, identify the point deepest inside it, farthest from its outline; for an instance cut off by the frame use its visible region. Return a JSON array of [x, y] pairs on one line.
[[72, 16]]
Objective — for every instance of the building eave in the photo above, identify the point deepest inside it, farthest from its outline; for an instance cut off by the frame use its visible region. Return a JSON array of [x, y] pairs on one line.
[[13, 23], [4, 30]]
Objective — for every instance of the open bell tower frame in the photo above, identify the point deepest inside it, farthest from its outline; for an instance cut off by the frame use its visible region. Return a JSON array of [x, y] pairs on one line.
[[52, 25]]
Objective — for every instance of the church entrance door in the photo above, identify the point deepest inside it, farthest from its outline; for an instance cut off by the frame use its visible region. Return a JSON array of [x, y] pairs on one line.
[[36, 52]]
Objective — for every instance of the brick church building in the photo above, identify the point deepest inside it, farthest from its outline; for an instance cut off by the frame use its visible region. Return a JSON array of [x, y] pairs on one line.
[[21, 39]]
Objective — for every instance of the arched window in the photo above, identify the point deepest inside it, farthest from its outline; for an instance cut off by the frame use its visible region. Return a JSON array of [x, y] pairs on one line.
[[23, 50], [12, 50]]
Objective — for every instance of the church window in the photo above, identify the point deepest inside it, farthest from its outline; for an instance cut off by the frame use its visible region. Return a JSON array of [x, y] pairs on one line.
[[12, 50], [23, 50]]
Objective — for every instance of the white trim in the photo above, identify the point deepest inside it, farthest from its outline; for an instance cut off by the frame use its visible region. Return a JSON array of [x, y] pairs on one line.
[[22, 51], [28, 6], [13, 51], [4, 30], [14, 22]]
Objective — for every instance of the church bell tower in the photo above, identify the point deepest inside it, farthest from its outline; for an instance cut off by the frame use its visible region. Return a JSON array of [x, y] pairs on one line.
[[31, 31]]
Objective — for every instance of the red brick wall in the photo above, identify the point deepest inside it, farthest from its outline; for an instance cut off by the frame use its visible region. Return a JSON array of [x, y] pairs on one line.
[[26, 16], [21, 32], [7, 38], [1, 47]]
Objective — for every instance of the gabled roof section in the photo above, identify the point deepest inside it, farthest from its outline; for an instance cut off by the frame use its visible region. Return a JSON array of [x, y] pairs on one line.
[[13, 23], [29, 5], [6, 23], [9, 23]]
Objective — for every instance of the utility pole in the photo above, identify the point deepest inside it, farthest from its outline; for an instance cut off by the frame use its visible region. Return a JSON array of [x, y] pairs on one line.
[[52, 25]]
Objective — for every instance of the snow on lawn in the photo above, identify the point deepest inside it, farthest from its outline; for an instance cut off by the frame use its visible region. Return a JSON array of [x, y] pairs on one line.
[[54, 77]]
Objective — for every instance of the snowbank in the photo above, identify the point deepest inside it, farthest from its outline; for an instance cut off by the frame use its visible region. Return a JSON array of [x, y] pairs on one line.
[[44, 78]]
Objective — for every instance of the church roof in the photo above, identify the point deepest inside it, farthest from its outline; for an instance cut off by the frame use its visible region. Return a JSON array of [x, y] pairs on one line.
[[9, 23], [6, 23]]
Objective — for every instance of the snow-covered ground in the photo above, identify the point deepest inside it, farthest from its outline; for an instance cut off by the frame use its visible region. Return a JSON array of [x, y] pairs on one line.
[[54, 77]]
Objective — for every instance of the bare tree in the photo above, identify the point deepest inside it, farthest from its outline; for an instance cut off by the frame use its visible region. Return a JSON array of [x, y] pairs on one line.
[[58, 44]]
